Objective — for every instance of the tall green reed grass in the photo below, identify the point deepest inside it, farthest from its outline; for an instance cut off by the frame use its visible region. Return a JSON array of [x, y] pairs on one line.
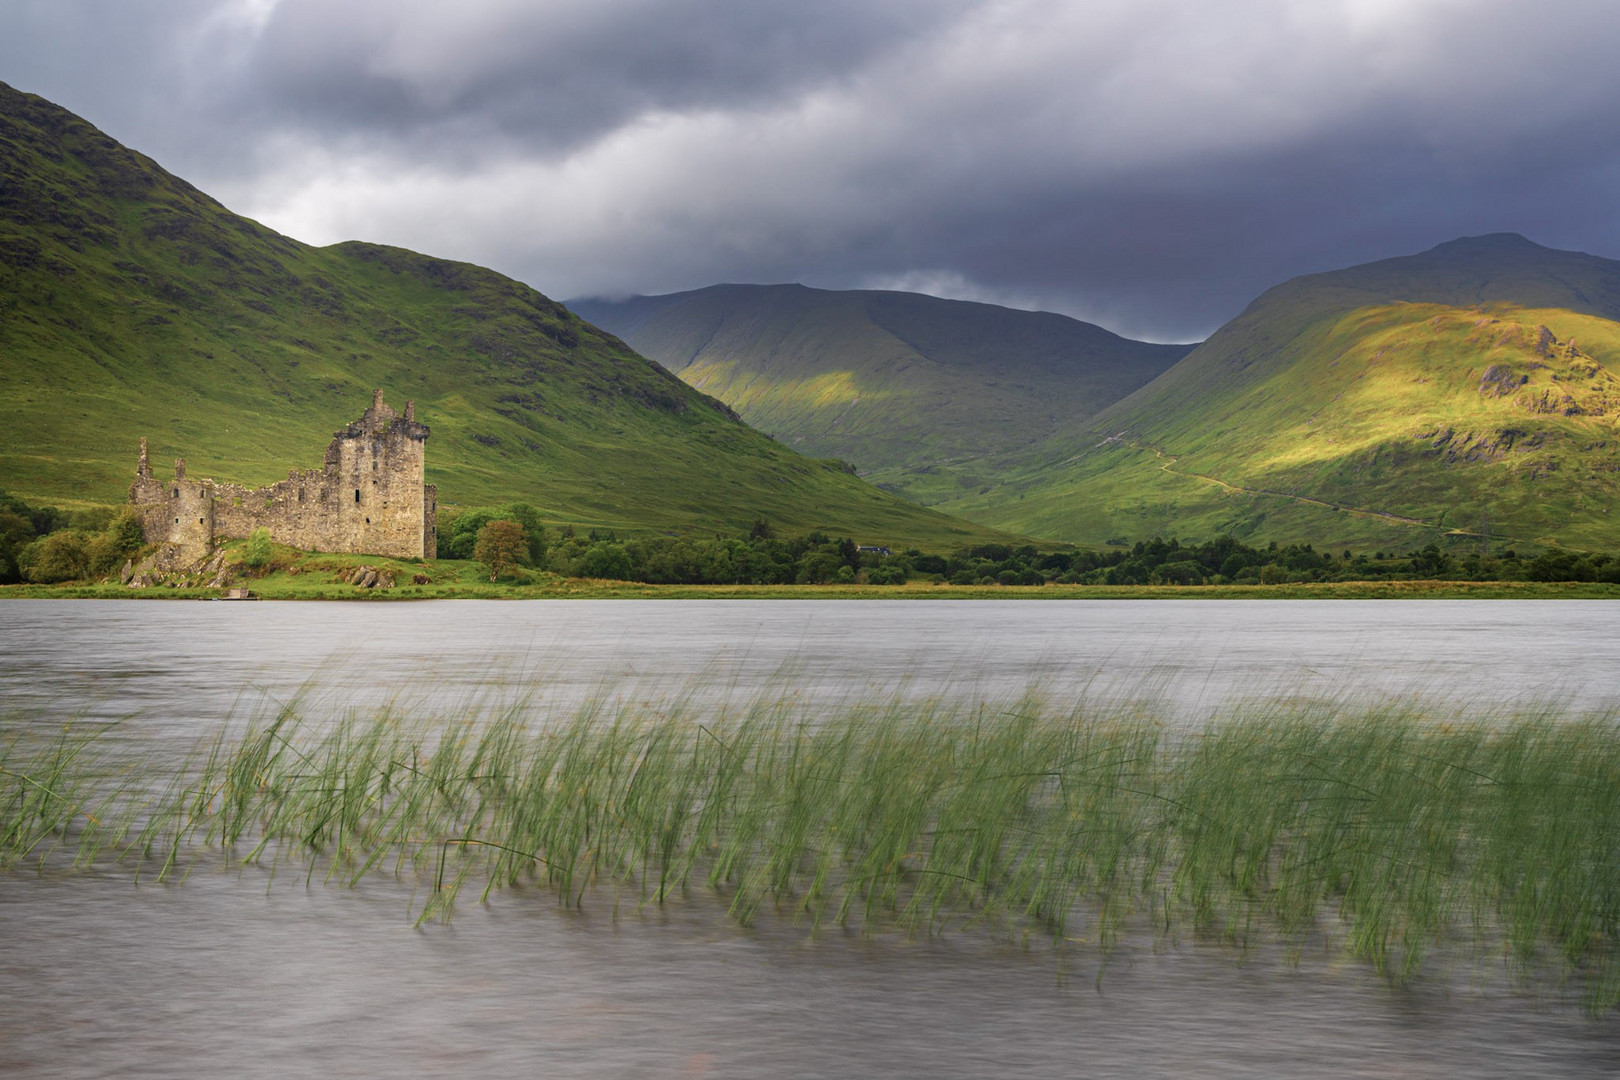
[[1393, 832]]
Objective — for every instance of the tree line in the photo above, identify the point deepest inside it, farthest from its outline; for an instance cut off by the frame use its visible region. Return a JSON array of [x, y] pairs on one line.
[[763, 558], [510, 541], [45, 545]]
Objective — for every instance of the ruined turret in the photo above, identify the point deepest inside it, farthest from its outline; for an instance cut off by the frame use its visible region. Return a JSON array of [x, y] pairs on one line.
[[384, 507]]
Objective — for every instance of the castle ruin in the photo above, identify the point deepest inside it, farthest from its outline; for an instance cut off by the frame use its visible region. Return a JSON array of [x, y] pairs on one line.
[[368, 497]]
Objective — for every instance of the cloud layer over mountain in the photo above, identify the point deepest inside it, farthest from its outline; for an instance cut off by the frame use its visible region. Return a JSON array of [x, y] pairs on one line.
[[1149, 164]]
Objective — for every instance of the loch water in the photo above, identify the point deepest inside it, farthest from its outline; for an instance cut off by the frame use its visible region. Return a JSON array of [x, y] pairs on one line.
[[238, 972]]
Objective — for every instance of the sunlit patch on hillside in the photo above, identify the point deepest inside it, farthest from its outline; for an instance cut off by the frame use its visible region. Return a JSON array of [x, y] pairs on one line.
[[828, 390], [1466, 386]]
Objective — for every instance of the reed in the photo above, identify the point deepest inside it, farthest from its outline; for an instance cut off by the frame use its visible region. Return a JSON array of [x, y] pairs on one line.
[[1395, 832]]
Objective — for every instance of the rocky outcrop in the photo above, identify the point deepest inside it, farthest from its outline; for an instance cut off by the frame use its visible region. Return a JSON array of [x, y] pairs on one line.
[[367, 577], [1500, 380], [165, 569]]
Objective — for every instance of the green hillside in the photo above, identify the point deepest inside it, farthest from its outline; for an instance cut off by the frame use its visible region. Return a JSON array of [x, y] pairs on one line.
[[1466, 390], [923, 395], [131, 304]]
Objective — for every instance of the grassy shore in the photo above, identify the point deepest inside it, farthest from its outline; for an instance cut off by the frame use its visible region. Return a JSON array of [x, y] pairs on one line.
[[1395, 834], [582, 589], [305, 576]]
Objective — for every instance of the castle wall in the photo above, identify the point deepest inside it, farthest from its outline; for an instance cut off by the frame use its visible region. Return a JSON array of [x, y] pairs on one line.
[[368, 497], [430, 521]]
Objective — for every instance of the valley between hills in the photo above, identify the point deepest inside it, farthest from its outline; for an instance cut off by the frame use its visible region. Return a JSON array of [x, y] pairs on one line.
[[1462, 396]]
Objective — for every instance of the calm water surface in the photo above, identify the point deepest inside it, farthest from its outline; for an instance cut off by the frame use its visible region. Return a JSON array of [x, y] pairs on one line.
[[182, 666], [228, 975]]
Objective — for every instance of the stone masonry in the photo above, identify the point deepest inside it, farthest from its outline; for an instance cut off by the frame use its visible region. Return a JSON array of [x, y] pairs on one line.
[[367, 497]]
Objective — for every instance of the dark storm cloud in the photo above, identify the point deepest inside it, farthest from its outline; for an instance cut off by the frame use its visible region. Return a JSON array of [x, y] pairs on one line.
[[1152, 164], [555, 74]]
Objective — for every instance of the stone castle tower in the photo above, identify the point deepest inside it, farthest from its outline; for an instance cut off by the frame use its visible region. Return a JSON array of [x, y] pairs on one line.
[[368, 497]]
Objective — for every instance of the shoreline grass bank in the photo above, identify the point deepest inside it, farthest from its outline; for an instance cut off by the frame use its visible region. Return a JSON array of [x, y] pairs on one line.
[[279, 588], [1394, 833]]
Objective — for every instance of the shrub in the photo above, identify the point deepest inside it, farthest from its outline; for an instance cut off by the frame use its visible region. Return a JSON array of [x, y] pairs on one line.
[[256, 552]]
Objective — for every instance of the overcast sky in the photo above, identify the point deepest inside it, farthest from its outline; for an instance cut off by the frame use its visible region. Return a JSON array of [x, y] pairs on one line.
[[1150, 165]]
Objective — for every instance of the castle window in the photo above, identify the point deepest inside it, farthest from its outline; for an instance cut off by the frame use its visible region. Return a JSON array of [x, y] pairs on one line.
[[368, 521], [177, 493], [356, 494], [201, 522], [177, 521]]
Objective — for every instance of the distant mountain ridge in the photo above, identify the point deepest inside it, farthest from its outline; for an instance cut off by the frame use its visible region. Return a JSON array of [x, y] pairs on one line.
[[1471, 388], [133, 305], [924, 395]]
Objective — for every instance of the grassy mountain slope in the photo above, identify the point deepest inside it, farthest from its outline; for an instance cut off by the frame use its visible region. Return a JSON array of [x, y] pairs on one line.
[[922, 394], [1471, 388], [131, 304]]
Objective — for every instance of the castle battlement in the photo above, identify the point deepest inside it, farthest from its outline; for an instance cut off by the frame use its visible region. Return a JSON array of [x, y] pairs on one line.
[[368, 497]]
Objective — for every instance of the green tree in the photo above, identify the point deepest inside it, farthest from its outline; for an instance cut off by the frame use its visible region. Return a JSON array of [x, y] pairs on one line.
[[605, 559], [528, 517], [119, 540], [889, 574], [16, 531], [1180, 572], [460, 536], [818, 568], [57, 557], [500, 546]]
